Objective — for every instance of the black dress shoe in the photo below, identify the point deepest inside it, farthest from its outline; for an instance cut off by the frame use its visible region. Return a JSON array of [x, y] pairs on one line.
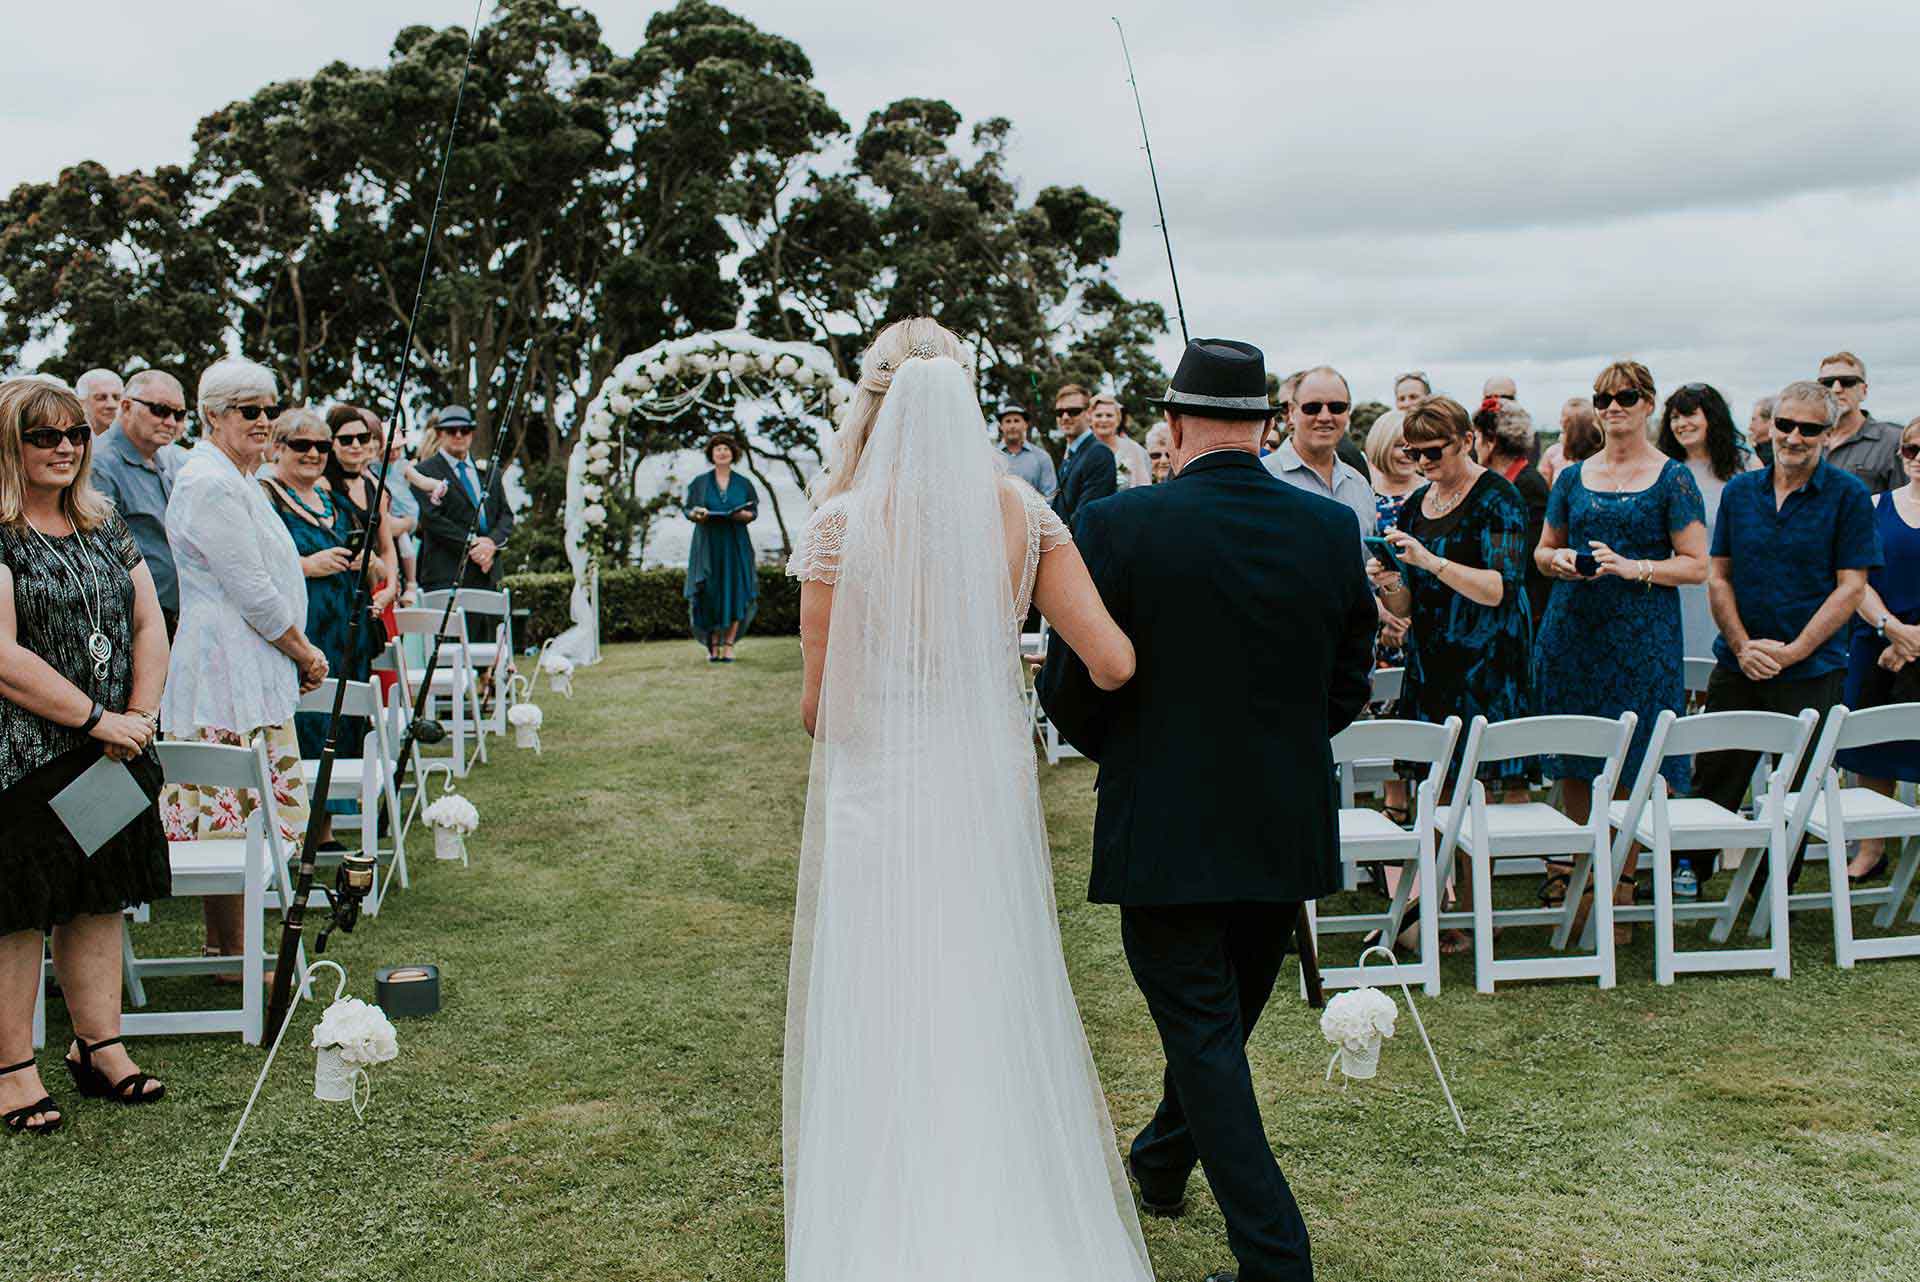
[[1170, 1209], [1219, 1275]]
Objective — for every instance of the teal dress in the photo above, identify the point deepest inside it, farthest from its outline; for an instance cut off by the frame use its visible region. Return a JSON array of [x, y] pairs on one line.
[[723, 585], [329, 617]]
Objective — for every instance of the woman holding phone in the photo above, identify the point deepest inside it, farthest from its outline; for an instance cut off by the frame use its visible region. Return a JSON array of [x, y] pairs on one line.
[[1625, 530]]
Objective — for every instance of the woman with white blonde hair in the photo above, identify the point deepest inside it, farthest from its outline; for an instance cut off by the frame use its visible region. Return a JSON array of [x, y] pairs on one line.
[[241, 658], [942, 1121]]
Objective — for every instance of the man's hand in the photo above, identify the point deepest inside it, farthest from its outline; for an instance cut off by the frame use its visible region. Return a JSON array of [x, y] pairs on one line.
[[481, 553], [1904, 637], [1760, 660], [1892, 660]]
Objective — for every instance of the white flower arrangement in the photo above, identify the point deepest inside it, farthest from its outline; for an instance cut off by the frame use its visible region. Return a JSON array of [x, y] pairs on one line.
[[620, 404], [359, 1033], [1123, 472], [599, 450], [592, 492], [454, 813], [594, 513], [673, 365], [785, 366], [599, 466], [599, 427], [738, 362], [656, 371], [554, 663], [525, 714], [1358, 1018]]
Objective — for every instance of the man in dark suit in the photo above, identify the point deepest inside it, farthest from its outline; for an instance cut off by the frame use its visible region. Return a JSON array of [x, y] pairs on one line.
[[444, 526], [1087, 470], [1254, 624]]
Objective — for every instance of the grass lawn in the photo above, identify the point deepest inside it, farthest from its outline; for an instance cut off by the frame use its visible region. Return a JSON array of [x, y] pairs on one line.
[[601, 1096]]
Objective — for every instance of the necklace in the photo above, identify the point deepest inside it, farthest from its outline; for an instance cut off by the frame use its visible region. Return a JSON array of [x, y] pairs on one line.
[[1442, 504], [99, 648], [324, 515]]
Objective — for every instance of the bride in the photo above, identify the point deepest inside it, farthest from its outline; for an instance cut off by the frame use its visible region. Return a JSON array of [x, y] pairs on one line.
[[943, 1119]]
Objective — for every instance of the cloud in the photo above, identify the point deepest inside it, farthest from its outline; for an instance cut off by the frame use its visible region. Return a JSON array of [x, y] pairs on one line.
[[1724, 190]]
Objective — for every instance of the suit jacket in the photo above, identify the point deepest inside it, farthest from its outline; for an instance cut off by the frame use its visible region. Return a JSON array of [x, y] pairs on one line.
[[1087, 474], [443, 528], [1254, 626]]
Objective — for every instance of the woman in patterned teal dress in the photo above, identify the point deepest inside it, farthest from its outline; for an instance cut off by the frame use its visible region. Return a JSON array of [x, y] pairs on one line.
[[1611, 640], [723, 585]]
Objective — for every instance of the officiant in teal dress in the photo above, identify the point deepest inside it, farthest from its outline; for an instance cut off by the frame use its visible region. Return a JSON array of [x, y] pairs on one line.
[[723, 585]]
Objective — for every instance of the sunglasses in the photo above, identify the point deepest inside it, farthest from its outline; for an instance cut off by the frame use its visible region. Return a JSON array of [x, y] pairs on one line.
[[49, 438], [456, 429], [1312, 408], [252, 413], [352, 438], [1159, 454], [1831, 381], [1426, 453], [1069, 411], [1796, 425], [162, 411], [1910, 452], [310, 445], [1626, 399]]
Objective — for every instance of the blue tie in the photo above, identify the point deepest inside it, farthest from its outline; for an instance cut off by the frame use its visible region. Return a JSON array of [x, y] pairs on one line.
[[466, 481]]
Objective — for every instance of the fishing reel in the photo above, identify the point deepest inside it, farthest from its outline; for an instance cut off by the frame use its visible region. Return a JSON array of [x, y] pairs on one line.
[[351, 886]]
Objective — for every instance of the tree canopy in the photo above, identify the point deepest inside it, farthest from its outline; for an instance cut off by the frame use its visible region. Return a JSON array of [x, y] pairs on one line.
[[596, 202]]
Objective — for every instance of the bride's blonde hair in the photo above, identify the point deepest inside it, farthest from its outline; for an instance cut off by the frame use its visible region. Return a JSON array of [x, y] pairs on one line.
[[915, 336]]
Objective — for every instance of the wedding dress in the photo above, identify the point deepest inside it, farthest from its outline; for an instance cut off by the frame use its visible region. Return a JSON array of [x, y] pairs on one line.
[[943, 1119]]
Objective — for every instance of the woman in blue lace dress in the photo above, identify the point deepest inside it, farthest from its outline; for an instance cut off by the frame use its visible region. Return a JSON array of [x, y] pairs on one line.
[[1611, 639]]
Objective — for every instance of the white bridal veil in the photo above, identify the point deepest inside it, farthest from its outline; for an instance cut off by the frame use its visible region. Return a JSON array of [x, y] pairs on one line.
[[942, 1115]]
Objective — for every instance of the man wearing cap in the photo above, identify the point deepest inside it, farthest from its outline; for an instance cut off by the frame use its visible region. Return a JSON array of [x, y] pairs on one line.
[[445, 524], [1254, 626], [1028, 462]]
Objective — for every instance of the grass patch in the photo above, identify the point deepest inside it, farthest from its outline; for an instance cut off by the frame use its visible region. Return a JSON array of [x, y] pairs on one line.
[[600, 1097]]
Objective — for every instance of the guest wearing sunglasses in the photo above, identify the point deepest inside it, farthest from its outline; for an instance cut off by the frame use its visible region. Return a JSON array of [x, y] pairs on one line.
[[1088, 470], [349, 476], [1309, 459], [1469, 643], [1625, 529], [134, 467], [1160, 452], [446, 522], [242, 658], [1791, 552], [82, 658], [1697, 428], [1860, 444]]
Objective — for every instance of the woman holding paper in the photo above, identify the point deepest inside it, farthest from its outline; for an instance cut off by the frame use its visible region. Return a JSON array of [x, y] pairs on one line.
[[723, 587], [83, 655]]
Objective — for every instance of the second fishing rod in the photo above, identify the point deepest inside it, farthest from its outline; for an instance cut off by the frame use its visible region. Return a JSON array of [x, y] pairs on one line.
[[420, 727]]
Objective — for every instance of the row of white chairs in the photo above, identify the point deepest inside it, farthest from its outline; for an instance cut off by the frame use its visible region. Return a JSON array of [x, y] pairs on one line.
[[257, 868], [1821, 810]]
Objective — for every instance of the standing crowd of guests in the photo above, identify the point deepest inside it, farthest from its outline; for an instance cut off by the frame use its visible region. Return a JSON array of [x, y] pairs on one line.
[[148, 589]]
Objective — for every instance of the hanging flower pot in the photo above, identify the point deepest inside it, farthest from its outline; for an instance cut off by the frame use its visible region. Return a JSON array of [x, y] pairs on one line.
[[559, 670], [525, 718], [1355, 1022], [452, 817], [350, 1037]]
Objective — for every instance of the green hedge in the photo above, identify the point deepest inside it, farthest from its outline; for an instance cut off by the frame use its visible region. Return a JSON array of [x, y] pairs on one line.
[[642, 605]]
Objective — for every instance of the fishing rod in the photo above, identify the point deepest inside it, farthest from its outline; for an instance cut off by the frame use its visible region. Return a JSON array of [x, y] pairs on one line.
[[358, 869], [420, 727], [1178, 307]]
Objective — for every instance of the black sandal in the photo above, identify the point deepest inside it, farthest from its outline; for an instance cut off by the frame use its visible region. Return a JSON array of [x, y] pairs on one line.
[[93, 1083], [16, 1119], [1408, 921], [1554, 886]]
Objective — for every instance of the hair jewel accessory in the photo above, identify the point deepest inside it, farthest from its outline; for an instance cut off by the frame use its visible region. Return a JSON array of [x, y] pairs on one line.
[[1491, 405]]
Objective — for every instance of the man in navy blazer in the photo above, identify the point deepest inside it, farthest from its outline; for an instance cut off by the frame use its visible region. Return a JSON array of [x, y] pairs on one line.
[[1087, 470], [1254, 625]]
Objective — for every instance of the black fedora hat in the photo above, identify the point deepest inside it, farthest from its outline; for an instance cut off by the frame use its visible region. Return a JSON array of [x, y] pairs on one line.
[[1219, 378], [1014, 407]]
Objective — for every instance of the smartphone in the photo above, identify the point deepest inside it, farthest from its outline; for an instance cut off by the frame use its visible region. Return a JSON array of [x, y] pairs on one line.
[[354, 540], [1382, 551], [1585, 565]]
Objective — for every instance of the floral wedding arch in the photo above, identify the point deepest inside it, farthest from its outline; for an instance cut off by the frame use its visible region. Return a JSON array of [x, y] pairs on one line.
[[728, 374]]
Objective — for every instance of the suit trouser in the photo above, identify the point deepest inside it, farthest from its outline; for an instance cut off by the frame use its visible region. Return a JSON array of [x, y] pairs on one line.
[[1722, 776], [1207, 972]]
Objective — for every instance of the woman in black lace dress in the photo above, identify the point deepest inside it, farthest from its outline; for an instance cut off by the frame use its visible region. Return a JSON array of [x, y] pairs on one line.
[[83, 656]]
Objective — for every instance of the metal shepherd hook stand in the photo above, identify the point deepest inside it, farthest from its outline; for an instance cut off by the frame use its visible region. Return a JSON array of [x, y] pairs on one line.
[[358, 871]]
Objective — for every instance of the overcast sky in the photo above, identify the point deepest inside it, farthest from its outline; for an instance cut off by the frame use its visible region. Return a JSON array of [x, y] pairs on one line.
[[1724, 191]]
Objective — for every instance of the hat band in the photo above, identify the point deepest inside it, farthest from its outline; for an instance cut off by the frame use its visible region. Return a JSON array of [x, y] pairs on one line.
[[1176, 397]]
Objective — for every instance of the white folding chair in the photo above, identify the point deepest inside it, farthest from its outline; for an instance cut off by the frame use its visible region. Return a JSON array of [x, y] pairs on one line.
[[1666, 825], [220, 867], [454, 681], [493, 657], [1695, 672], [366, 778], [1368, 836], [1052, 745], [1529, 830], [1834, 814], [1365, 777]]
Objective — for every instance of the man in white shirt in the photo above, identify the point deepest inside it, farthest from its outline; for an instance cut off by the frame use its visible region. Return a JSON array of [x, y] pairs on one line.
[[100, 393]]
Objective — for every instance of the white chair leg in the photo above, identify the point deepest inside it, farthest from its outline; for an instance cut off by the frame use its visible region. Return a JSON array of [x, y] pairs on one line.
[[1901, 882], [1570, 906], [40, 1002], [1662, 887], [1779, 908], [1743, 879], [1482, 873], [253, 946], [1839, 888], [136, 991], [1603, 875], [370, 830]]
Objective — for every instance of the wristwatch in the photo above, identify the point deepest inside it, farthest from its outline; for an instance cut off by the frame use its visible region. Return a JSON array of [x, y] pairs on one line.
[[1880, 628]]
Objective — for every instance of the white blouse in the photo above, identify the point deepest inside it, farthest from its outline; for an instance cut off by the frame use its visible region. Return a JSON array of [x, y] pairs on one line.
[[240, 586]]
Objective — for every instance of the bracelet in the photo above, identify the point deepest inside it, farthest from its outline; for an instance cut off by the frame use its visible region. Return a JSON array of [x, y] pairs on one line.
[[1646, 574], [93, 719], [1441, 568]]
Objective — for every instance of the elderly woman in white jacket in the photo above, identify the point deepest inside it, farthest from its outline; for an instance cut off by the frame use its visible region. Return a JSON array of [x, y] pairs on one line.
[[241, 658]]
